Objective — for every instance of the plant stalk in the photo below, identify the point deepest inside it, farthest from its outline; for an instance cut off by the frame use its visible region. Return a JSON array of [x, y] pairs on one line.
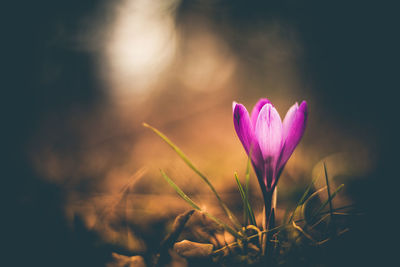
[[268, 221]]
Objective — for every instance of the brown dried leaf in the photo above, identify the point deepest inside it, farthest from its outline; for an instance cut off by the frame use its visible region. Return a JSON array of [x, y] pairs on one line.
[[189, 249], [126, 261]]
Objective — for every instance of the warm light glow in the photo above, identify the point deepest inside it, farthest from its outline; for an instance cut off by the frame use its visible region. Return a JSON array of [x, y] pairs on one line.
[[141, 44], [184, 85]]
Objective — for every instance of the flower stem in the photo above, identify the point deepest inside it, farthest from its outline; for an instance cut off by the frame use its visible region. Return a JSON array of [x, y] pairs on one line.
[[269, 221]]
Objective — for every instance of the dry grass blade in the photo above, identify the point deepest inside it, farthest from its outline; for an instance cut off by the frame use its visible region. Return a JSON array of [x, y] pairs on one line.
[[177, 228], [303, 232], [121, 195]]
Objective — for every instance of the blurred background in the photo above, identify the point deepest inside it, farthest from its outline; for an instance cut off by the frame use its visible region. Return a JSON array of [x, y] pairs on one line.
[[81, 175]]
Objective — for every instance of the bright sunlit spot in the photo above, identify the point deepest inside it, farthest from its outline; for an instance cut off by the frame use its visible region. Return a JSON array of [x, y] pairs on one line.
[[141, 45]]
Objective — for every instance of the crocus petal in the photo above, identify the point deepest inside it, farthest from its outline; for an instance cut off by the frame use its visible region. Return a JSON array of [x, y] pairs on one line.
[[243, 126], [256, 110], [269, 132], [246, 135], [289, 118], [294, 126]]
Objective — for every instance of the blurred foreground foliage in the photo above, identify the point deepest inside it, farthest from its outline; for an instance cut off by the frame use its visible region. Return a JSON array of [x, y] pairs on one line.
[[304, 235]]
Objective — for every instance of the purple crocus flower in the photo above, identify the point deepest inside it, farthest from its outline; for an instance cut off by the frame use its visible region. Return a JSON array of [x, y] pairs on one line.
[[269, 141]]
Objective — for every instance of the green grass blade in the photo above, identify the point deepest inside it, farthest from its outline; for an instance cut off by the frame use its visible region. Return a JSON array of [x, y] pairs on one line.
[[326, 202], [179, 191], [302, 199], [242, 195], [329, 196], [246, 203], [180, 153], [196, 207], [246, 188], [304, 208], [252, 218], [224, 225], [335, 211]]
